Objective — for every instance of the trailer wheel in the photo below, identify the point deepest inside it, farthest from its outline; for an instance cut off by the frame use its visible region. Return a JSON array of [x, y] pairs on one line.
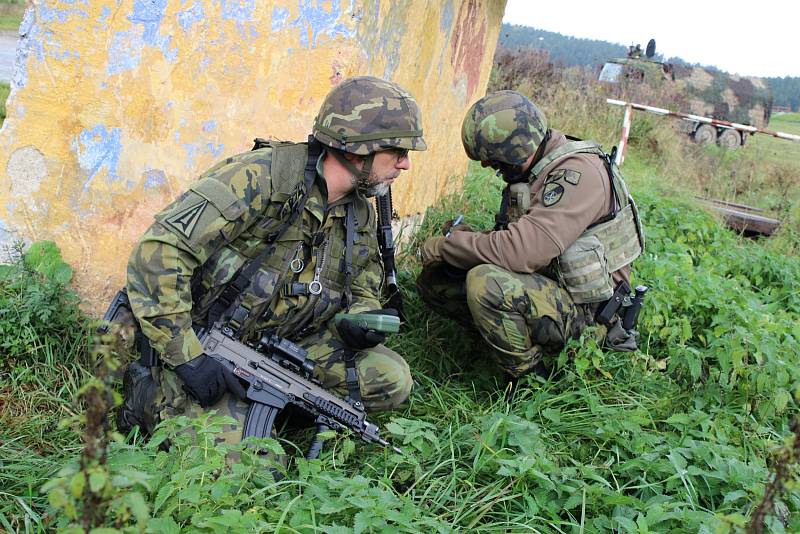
[[704, 134], [730, 139]]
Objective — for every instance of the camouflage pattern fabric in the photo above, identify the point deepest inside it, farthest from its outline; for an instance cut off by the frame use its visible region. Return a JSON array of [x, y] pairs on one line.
[[365, 114], [230, 229], [522, 317], [504, 127], [198, 243], [384, 378]]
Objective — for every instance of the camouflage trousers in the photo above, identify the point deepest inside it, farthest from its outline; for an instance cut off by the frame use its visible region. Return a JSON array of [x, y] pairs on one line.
[[522, 317], [384, 379]]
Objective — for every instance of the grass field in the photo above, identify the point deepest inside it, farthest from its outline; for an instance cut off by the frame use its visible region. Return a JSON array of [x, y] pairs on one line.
[[5, 89], [679, 437], [779, 150], [11, 12], [675, 438]]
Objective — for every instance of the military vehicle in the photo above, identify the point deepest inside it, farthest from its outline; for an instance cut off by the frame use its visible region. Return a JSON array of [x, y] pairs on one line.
[[705, 92]]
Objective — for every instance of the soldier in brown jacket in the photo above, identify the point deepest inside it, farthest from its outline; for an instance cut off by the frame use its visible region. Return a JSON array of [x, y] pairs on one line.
[[565, 237]]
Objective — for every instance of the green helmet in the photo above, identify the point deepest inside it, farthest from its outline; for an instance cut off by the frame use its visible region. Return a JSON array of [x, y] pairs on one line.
[[504, 127], [363, 115]]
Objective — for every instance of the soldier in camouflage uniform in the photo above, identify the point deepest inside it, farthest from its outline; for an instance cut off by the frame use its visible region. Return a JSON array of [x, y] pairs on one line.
[[262, 207], [566, 235]]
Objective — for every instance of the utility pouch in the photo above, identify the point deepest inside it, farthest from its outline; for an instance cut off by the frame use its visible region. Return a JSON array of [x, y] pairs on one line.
[[519, 200], [583, 270]]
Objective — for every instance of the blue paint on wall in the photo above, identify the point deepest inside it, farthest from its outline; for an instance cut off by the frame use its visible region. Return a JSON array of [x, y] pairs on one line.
[[209, 126], [215, 150], [103, 19], [321, 21], [30, 43], [446, 20], [239, 10], [191, 151], [191, 16], [124, 52], [280, 15], [149, 13], [98, 148], [49, 14], [154, 178]]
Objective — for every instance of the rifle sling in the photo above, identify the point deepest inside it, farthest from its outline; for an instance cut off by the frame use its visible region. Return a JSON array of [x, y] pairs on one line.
[[225, 305]]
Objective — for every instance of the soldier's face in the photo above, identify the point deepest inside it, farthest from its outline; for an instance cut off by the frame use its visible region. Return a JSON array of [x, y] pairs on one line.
[[386, 167]]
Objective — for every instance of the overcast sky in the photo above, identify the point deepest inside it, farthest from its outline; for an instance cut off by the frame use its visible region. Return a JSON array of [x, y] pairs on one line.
[[754, 38]]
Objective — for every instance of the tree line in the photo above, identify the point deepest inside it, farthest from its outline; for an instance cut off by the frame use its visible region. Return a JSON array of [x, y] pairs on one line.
[[574, 51]]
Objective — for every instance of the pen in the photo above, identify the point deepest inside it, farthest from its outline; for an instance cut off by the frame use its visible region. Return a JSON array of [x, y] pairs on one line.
[[455, 223]]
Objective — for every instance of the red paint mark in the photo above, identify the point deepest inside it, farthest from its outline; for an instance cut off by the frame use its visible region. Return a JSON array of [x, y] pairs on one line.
[[468, 44]]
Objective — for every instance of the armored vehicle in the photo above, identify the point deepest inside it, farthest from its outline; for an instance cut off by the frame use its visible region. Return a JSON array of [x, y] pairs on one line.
[[705, 92]]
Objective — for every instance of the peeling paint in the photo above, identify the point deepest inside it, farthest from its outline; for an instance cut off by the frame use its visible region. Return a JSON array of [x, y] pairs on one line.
[[117, 105], [30, 42], [239, 10], [154, 178], [468, 46], [314, 20], [190, 17], [280, 15], [103, 19], [27, 169], [98, 149]]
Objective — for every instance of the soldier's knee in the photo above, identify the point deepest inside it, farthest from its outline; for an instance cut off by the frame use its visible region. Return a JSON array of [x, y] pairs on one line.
[[485, 287], [385, 381]]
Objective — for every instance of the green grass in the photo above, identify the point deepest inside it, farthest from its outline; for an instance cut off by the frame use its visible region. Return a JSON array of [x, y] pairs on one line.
[[779, 150], [5, 89], [11, 12], [675, 438]]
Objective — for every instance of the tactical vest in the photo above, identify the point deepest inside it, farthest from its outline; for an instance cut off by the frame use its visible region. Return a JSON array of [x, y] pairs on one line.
[[304, 276], [608, 245]]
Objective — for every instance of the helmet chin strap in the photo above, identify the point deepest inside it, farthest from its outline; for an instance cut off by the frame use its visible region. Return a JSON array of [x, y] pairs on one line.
[[362, 174]]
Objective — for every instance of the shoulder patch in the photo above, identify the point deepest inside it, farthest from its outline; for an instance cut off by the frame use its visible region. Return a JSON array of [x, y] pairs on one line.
[[572, 177], [185, 221], [554, 176], [552, 194]]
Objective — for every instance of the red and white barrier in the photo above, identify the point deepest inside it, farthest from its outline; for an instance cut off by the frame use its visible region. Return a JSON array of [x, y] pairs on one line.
[[629, 106]]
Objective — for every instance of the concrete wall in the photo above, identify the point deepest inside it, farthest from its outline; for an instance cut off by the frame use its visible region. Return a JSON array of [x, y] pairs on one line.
[[117, 105]]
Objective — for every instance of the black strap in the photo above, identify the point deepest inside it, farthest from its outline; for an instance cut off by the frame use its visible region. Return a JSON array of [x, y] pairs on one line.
[[241, 280], [501, 218], [350, 237], [351, 374], [608, 159]]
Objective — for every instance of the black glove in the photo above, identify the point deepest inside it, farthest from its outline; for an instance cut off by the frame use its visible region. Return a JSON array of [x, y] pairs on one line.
[[358, 338], [206, 380]]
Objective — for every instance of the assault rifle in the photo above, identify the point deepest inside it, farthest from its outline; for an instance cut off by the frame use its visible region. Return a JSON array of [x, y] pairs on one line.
[[278, 374], [383, 205]]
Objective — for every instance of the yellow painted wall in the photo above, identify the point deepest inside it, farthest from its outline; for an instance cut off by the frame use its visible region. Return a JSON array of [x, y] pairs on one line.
[[117, 105]]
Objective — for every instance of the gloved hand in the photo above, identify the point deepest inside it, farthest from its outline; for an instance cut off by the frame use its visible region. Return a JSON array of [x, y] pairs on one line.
[[449, 227], [206, 380], [430, 250], [358, 338]]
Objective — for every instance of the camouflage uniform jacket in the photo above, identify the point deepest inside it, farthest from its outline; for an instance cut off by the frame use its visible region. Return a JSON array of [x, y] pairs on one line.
[[204, 237], [567, 196]]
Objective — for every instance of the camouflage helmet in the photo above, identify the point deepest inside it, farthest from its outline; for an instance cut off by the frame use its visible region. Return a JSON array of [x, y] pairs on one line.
[[504, 127], [363, 115]]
